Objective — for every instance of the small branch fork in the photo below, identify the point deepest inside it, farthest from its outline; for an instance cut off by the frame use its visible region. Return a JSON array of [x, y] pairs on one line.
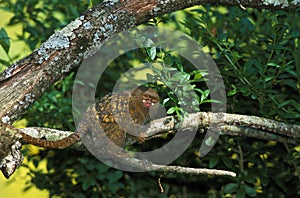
[[232, 124]]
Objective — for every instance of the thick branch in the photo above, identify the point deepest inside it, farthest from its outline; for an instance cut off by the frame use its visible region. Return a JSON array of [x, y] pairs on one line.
[[250, 126], [234, 124]]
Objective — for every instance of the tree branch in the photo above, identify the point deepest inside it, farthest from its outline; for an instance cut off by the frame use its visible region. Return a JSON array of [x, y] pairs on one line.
[[146, 165], [242, 125], [234, 124]]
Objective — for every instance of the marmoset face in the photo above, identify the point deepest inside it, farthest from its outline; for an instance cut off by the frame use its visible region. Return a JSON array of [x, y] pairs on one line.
[[149, 97]]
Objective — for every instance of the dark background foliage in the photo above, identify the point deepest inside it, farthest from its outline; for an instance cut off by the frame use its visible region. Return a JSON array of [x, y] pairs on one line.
[[257, 52]]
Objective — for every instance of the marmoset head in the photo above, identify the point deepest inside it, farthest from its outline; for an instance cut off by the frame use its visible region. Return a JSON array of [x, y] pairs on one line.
[[149, 98]]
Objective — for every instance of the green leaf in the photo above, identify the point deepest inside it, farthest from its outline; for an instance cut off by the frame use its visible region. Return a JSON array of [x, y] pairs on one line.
[[181, 77], [170, 68], [240, 193], [211, 101], [148, 42], [83, 160], [87, 182], [204, 95], [227, 161], [273, 65], [165, 101], [213, 161], [283, 104], [102, 168], [114, 187], [250, 191], [280, 183], [172, 110], [114, 176], [149, 77], [199, 74], [152, 52], [268, 78], [231, 188], [4, 40], [3, 62]]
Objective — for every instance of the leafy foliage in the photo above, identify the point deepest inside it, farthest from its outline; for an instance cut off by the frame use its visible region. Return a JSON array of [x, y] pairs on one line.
[[257, 52]]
